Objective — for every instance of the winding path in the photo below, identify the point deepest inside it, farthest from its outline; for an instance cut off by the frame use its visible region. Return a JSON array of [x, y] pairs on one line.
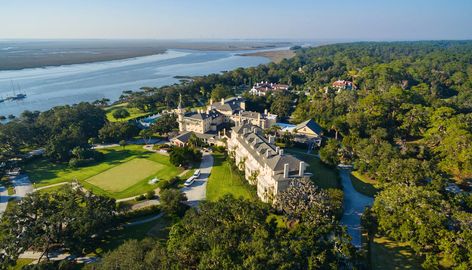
[[354, 205]]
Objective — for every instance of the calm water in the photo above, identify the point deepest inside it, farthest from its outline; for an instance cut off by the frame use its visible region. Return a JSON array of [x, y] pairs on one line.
[[53, 86]]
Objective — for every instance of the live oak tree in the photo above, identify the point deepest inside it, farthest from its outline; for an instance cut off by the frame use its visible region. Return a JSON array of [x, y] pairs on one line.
[[120, 113], [303, 201], [237, 234], [172, 202], [165, 124], [47, 221]]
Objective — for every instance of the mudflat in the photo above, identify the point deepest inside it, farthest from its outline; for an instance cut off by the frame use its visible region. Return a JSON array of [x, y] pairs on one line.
[[16, 55]]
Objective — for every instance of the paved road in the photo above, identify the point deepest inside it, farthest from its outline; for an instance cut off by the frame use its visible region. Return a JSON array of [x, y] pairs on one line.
[[22, 187], [197, 191], [3, 199], [354, 205]]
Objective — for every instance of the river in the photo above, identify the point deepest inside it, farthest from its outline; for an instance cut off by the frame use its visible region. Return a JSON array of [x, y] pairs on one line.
[[52, 86]]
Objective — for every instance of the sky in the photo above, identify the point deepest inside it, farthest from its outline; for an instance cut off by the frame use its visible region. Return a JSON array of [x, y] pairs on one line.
[[237, 19]]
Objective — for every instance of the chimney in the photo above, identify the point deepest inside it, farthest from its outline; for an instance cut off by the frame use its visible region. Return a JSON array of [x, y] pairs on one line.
[[222, 101], [286, 169], [271, 139], [281, 152], [277, 149], [267, 153], [266, 112], [301, 170]]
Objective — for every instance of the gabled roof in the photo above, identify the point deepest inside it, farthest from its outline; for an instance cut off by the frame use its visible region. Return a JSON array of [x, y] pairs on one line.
[[311, 125], [203, 115], [257, 145], [230, 104], [184, 137]]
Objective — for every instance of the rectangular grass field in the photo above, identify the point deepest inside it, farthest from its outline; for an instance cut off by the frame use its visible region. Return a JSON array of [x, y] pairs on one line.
[[125, 175]]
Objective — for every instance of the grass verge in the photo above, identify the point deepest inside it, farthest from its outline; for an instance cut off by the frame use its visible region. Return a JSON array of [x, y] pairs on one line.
[[323, 176], [364, 184]]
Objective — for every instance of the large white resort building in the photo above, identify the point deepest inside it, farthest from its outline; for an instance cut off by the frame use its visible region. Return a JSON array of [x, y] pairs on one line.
[[264, 164], [207, 123]]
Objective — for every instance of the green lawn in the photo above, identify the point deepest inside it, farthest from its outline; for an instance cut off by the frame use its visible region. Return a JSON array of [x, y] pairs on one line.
[[323, 176], [123, 172], [125, 175], [133, 112], [387, 254], [364, 184], [158, 229], [225, 181], [20, 263]]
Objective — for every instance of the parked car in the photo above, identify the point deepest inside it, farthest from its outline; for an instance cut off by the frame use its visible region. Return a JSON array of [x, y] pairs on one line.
[[196, 173], [189, 181]]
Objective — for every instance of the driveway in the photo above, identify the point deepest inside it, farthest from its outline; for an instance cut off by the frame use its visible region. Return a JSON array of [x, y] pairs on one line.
[[197, 191], [354, 205]]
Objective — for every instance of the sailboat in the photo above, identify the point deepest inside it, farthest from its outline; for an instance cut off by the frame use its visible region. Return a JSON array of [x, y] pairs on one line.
[[18, 96]]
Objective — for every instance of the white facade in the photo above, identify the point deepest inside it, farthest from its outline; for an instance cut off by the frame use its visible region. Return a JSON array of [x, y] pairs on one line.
[[265, 165]]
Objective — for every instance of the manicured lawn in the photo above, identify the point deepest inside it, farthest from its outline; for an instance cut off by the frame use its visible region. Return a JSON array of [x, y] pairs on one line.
[[225, 181], [323, 176], [133, 113], [43, 172], [387, 254], [123, 172], [364, 184], [125, 175]]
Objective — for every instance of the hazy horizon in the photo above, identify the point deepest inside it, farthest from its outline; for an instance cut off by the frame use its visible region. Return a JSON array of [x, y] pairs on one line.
[[343, 20]]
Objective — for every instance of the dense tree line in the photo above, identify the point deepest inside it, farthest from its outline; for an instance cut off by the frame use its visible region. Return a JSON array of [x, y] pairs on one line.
[[239, 234], [45, 222]]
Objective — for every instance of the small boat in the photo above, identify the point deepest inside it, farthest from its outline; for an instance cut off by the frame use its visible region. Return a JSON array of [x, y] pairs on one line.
[[18, 97], [15, 96]]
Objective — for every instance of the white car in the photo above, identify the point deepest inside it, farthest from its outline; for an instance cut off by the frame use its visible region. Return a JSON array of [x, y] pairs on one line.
[[189, 181], [196, 174]]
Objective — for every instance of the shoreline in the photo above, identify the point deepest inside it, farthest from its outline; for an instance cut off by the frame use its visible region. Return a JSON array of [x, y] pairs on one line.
[[72, 56], [274, 56]]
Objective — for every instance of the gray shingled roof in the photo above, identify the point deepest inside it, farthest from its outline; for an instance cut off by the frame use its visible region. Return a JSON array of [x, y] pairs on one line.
[[202, 116], [311, 125], [231, 104], [257, 145]]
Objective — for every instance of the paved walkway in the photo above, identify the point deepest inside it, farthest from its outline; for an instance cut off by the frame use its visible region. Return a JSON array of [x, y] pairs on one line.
[[354, 205], [139, 222], [197, 191], [50, 186]]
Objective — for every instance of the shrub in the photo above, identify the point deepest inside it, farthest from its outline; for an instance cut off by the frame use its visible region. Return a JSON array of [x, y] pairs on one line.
[[140, 198], [171, 183], [146, 211], [74, 162], [150, 194]]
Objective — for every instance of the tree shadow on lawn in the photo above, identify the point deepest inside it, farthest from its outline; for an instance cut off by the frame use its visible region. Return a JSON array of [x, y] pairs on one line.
[[388, 254]]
